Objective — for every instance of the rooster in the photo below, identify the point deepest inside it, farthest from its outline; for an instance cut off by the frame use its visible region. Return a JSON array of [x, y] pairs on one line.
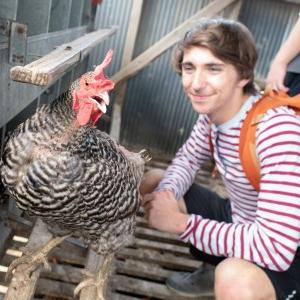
[[77, 179]]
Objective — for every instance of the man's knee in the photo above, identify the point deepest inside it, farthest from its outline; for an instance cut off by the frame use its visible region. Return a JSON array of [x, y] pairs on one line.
[[151, 180], [238, 279]]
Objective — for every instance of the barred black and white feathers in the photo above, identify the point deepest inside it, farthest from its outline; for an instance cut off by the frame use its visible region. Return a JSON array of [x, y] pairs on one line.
[[76, 178]]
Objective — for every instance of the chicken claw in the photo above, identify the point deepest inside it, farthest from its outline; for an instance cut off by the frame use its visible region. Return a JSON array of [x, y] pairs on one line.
[[32, 260], [98, 280]]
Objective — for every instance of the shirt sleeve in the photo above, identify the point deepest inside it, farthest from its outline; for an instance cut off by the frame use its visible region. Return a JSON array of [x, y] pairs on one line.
[[180, 174], [272, 239]]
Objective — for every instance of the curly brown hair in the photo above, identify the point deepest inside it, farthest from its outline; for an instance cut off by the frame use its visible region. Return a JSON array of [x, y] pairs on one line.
[[228, 40]]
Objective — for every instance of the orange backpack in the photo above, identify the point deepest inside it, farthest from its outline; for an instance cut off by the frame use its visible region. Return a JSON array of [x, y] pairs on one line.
[[247, 147]]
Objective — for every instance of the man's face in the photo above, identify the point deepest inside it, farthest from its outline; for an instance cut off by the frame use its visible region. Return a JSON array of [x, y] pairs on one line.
[[213, 86]]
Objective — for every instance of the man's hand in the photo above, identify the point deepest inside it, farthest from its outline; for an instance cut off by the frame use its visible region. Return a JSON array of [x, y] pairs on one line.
[[162, 212]]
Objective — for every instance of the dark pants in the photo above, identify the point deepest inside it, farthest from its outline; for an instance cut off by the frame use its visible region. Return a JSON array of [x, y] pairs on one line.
[[201, 201], [292, 81]]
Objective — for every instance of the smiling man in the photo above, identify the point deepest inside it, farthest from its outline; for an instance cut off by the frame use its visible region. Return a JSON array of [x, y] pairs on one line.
[[253, 237]]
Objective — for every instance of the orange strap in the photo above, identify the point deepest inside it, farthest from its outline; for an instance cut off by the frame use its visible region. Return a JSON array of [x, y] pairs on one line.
[[247, 145]]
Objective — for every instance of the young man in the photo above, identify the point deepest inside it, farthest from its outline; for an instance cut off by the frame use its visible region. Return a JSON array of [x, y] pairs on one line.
[[252, 237]]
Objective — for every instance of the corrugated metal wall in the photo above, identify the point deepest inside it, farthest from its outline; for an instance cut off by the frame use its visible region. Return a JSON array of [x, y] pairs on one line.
[[50, 24], [270, 21], [156, 113]]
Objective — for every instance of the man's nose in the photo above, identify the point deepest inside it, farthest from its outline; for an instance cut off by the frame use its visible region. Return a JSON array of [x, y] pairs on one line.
[[199, 80]]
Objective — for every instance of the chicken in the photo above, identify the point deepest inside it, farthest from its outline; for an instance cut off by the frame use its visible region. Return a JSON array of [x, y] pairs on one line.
[[76, 178]]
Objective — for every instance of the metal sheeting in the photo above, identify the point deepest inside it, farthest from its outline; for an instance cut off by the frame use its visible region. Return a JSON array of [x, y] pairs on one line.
[[270, 21], [156, 113]]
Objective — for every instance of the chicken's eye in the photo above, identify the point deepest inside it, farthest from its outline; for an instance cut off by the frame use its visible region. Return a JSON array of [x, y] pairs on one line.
[[86, 83]]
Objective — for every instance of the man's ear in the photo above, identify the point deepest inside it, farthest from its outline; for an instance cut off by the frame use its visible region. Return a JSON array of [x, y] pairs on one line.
[[243, 82]]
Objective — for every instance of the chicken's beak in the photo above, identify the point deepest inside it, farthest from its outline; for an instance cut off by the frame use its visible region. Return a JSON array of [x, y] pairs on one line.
[[101, 101]]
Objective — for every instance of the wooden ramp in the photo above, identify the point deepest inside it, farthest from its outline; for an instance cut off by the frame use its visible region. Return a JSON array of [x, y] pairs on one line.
[[139, 270]]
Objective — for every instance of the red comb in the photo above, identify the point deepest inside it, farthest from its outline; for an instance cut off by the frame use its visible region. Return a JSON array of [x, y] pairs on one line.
[[100, 69], [106, 84]]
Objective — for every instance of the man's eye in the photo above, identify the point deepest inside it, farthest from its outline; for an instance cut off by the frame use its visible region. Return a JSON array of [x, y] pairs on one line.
[[215, 69], [187, 68]]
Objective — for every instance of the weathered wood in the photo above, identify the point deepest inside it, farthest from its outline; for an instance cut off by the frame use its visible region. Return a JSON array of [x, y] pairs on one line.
[[145, 244], [17, 96], [23, 287], [66, 273], [5, 236], [235, 11], [132, 31], [141, 269], [167, 260], [153, 234], [168, 40], [47, 69], [150, 289], [58, 289]]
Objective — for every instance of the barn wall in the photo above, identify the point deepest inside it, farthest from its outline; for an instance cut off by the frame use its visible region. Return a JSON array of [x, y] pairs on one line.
[[50, 23], [156, 114]]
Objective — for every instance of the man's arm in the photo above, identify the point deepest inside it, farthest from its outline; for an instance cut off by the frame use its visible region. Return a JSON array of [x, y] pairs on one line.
[[180, 175]]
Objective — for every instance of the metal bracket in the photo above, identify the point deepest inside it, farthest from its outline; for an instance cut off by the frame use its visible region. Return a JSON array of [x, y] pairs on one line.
[[17, 44], [5, 26], [17, 40]]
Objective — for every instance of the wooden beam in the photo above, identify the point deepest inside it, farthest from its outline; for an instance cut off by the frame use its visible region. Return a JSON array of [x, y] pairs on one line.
[[132, 31], [236, 8], [49, 68], [168, 40], [22, 286]]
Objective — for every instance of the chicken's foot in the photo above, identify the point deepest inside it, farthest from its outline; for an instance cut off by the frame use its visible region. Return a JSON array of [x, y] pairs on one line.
[[99, 279], [32, 260]]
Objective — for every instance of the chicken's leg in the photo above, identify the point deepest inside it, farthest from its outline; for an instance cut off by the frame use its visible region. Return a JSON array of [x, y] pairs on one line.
[[99, 279], [33, 259]]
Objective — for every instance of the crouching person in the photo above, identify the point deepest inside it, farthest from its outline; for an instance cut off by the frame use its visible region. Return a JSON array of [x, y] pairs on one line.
[[252, 237]]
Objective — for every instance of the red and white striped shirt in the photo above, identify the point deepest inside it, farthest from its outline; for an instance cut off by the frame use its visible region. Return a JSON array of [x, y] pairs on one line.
[[266, 225]]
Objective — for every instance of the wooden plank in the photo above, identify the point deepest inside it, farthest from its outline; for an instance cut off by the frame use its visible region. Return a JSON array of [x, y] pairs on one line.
[[46, 70], [132, 31], [57, 289], [66, 273], [5, 236], [145, 244], [168, 40], [158, 235], [150, 289], [235, 10], [141, 269], [16, 96], [22, 287], [167, 260]]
